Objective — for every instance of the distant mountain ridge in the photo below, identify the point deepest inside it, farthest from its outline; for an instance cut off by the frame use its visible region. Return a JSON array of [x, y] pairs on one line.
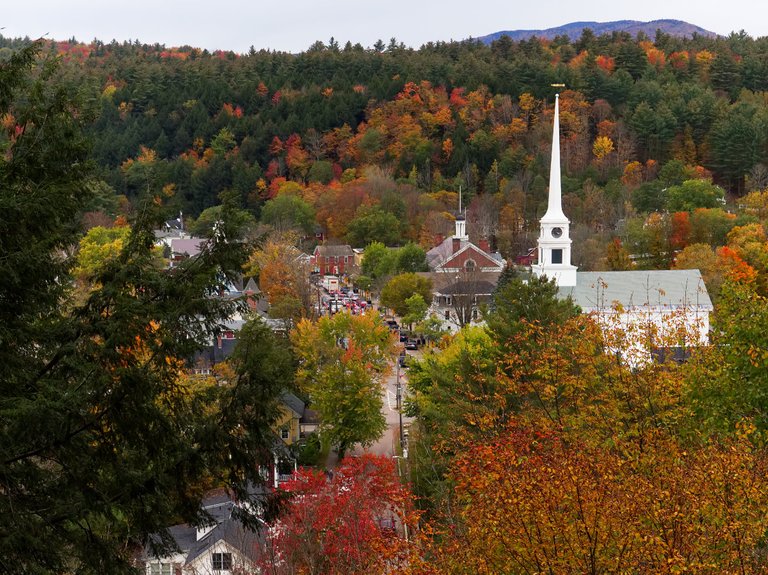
[[574, 29]]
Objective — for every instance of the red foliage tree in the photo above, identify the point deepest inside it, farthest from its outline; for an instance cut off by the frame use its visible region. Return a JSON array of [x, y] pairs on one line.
[[355, 520], [680, 224]]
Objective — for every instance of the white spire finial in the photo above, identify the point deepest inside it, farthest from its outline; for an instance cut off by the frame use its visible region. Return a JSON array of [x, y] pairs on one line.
[[555, 204]]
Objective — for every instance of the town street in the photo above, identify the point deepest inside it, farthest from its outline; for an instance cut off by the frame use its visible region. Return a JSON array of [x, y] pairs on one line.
[[388, 444]]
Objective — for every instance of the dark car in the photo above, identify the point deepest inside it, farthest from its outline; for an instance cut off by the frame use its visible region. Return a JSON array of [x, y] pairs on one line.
[[411, 344]]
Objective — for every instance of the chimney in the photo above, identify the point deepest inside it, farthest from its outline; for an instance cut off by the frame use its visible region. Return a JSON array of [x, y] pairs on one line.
[[456, 244], [484, 245]]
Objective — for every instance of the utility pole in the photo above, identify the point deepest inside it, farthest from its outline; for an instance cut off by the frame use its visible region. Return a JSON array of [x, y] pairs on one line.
[[399, 397]]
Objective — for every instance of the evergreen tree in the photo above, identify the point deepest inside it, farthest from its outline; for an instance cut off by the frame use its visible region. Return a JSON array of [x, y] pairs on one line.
[[101, 442]]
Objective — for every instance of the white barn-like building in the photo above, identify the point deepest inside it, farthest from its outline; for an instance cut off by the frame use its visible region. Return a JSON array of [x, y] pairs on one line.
[[642, 312]]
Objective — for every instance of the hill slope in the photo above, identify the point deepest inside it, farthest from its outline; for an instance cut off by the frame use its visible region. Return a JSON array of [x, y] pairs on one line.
[[573, 30]]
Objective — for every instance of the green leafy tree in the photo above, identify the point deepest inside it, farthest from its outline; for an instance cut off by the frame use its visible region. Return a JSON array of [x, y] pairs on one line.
[[518, 304], [694, 194], [97, 247], [736, 141], [320, 171], [342, 360], [648, 197], [403, 286], [100, 443], [453, 394], [728, 382], [417, 310], [711, 226], [378, 260], [374, 224], [411, 258], [289, 212], [205, 225]]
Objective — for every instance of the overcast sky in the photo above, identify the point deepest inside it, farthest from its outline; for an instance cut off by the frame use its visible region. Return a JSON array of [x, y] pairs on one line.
[[293, 25]]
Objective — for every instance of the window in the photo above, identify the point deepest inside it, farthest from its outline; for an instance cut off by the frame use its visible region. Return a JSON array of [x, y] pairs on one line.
[[285, 433], [557, 256], [161, 569], [222, 561], [470, 265]]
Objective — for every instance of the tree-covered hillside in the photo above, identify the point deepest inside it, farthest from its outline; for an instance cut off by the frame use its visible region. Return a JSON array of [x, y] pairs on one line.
[[443, 118]]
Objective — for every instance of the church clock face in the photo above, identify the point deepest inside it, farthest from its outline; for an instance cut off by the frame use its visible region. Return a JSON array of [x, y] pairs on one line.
[[557, 232]]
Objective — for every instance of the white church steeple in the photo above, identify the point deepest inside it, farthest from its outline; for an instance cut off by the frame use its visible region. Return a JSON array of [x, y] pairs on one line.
[[461, 223], [554, 243]]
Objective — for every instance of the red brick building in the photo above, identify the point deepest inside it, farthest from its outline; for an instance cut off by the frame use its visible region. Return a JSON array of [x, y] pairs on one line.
[[333, 260]]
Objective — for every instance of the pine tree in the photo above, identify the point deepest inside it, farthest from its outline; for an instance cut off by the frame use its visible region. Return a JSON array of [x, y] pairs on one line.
[[101, 442]]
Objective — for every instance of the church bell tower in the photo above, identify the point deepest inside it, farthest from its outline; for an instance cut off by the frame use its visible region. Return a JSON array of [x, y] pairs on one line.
[[554, 244]]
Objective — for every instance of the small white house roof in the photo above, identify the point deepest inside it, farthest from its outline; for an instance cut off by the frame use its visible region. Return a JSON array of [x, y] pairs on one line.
[[654, 289]]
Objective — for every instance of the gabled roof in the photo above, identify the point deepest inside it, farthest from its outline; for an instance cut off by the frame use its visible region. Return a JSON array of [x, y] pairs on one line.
[[252, 287], [293, 402], [223, 511], [188, 246], [441, 255], [655, 289], [441, 252], [477, 288], [234, 533], [334, 250]]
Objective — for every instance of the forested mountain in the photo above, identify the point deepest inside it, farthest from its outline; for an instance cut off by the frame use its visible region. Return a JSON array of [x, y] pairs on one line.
[[633, 27], [637, 114]]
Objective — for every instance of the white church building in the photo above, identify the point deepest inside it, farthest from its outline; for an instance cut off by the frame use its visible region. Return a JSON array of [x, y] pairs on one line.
[[642, 312]]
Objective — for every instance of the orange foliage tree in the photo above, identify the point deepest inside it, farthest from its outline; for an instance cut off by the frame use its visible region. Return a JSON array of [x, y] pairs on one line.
[[543, 502]]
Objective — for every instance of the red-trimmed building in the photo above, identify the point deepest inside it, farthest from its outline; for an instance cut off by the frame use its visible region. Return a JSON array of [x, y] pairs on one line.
[[458, 254]]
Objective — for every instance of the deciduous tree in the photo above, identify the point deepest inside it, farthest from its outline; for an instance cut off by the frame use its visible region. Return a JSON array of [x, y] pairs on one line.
[[357, 520], [342, 361], [401, 287]]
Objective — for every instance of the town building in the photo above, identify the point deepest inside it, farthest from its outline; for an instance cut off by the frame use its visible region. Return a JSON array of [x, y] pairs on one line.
[[224, 545], [642, 313], [464, 276], [333, 260]]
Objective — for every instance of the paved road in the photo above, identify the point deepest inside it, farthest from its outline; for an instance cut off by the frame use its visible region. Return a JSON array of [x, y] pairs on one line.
[[388, 444]]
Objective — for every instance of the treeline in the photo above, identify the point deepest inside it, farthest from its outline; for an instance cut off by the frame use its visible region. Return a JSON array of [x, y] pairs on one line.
[[446, 117]]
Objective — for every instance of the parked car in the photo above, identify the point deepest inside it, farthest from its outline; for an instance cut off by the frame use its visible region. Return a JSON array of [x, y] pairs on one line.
[[411, 344]]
